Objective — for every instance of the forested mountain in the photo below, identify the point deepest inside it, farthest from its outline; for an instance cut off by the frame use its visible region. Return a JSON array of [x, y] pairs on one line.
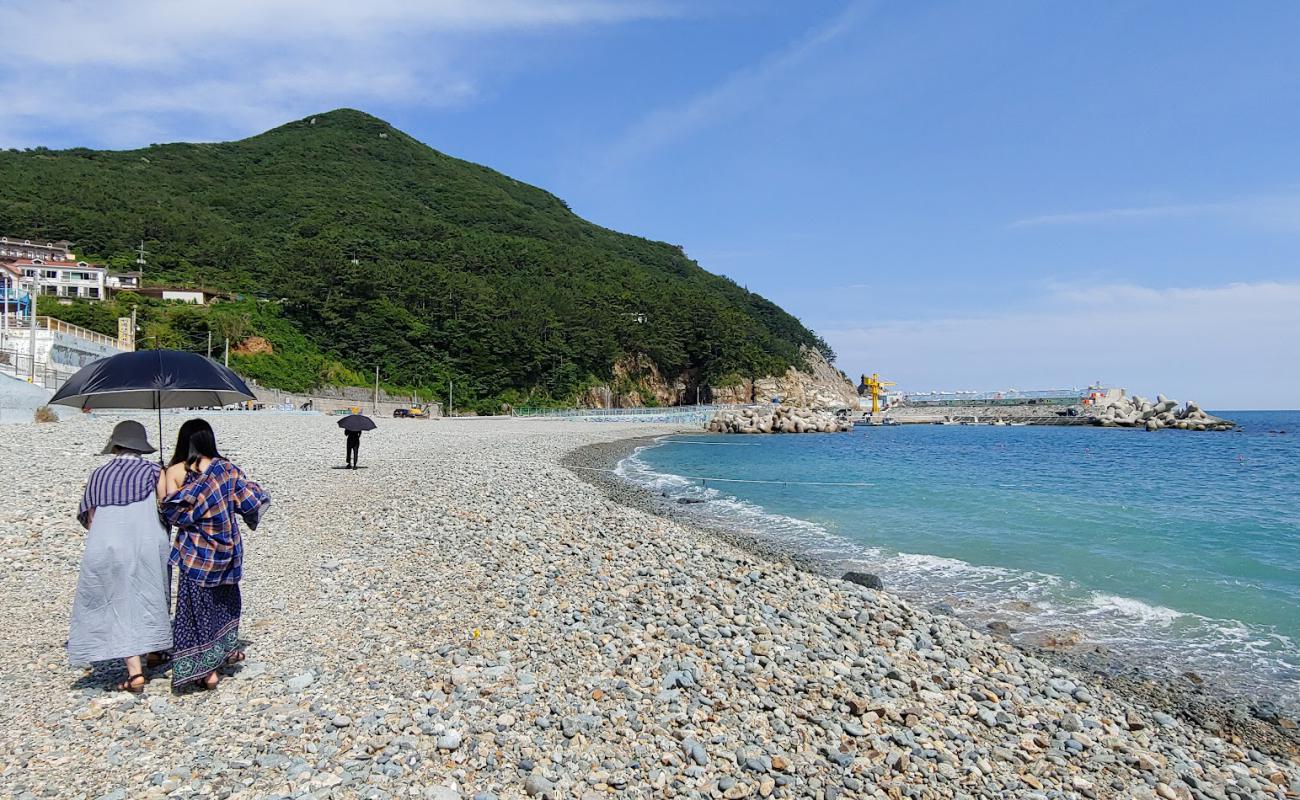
[[378, 250]]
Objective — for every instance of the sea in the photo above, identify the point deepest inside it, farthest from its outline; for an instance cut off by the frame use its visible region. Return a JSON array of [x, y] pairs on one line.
[[1177, 551]]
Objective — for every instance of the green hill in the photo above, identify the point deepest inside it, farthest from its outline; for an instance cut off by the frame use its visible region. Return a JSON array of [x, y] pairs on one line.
[[359, 246]]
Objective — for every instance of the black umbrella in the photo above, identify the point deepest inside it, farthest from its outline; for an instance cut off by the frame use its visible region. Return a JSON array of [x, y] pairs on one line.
[[153, 379], [357, 422]]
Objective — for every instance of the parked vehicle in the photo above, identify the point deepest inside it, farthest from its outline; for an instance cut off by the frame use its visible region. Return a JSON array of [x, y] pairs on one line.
[[414, 411]]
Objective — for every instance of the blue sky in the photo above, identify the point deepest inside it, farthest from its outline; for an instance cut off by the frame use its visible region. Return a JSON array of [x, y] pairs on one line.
[[956, 195]]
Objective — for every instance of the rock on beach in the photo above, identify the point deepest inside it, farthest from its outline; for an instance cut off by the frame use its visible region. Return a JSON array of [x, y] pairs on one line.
[[468, 618]]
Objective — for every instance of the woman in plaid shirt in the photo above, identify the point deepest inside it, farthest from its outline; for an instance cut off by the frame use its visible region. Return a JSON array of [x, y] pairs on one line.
[[203, 497]]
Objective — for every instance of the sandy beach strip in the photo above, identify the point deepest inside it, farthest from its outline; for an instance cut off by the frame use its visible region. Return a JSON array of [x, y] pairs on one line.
[[466, 617]]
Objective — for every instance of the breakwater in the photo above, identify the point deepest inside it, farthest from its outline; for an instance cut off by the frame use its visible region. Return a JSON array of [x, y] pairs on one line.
[[1122, 412], [1135, 412], [778, 419]]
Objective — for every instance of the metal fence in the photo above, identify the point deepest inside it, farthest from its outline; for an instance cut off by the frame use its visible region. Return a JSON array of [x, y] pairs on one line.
[[20, 325], [18, 363], [683, 415], [1008, 397]]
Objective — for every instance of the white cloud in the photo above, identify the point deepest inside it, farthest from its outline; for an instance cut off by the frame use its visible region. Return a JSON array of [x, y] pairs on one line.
[[132, 32], [1275, 211], [1227, 347], [203, 69], [738, 93]]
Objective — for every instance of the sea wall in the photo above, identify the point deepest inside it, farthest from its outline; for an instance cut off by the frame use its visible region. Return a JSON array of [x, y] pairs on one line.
[[1034, 415], [326, 400]]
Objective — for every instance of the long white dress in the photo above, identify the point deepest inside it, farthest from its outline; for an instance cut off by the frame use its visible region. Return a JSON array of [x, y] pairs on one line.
[[121, 605]]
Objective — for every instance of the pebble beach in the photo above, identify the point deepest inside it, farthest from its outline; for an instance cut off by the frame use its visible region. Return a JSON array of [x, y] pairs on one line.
[[468, 617]]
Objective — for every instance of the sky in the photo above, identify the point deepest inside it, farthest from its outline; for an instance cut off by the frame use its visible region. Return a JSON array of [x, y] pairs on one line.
[[991, 195]]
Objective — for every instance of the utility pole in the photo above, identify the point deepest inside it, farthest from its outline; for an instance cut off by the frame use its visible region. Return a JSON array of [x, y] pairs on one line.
[[31, 314], [451, 396], [375, 407], [227, 351], [4, 312], [209, 345]]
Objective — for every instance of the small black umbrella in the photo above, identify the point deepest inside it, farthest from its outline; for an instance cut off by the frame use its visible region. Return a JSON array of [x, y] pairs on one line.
[[153, 379], [357, 422]]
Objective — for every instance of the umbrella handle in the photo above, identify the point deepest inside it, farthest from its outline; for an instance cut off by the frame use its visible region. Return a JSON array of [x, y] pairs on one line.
[[157, 401]]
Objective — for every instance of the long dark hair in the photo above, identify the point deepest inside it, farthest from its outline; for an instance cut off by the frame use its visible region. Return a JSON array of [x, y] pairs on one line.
[[195, 440]]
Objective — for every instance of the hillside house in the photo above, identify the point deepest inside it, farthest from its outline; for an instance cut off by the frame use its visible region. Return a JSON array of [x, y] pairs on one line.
[[68, 280]]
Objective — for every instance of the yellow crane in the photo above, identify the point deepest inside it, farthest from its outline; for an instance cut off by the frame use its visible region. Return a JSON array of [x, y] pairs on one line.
[[872, 385]]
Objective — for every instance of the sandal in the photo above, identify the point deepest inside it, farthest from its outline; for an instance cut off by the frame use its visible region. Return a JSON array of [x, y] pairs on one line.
[[210, 681], [234, 658], [128, 685]]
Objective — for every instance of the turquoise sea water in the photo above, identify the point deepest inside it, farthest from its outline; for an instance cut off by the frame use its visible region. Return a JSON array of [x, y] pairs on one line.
[[1177, 549]]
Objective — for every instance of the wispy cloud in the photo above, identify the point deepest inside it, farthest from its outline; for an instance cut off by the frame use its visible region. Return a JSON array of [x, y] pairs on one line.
[[110, 69], [1227, 346], [1274, 211], [739, 92]]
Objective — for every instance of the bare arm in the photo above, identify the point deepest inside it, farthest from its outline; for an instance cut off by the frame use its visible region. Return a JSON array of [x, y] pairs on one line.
[[171, 480]]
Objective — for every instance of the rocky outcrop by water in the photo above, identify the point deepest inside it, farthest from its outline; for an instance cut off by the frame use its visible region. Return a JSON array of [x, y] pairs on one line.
[[778, 419], [637, 383], [1138, 412], [820, 386]]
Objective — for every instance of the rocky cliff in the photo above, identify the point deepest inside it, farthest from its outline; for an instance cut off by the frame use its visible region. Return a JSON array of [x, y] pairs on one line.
[[637, 382], [820, 386]]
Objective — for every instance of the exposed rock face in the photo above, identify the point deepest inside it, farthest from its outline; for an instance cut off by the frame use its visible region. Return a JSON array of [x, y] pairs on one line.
[[777, 419], [637, 380], [252, 346], [1138, 412], [821, 387]]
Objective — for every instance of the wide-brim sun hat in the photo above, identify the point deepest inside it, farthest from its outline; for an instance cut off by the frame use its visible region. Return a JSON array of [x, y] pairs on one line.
[[129, 435]]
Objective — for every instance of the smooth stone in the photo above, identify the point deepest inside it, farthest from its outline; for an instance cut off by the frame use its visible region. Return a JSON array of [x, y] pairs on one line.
[[866, 579], [299, 682]]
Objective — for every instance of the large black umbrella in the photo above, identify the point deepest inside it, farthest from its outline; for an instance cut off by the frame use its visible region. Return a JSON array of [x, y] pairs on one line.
[[357, 422], [153, 379]]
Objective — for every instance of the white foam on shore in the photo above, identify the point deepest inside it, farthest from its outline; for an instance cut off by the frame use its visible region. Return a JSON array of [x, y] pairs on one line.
[[1245, 657], [1111, 604]]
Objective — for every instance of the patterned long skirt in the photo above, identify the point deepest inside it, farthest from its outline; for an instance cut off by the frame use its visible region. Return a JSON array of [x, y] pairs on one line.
[[205, 629]]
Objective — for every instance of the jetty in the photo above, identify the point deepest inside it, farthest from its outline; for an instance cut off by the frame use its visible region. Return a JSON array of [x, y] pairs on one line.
[[1095, 405]]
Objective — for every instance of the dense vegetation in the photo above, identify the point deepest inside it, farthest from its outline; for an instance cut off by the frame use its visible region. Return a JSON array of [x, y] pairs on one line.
[[359, 246]]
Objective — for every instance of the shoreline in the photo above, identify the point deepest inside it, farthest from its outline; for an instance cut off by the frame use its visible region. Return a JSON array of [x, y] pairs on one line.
[[465, 619], [1187, 697]]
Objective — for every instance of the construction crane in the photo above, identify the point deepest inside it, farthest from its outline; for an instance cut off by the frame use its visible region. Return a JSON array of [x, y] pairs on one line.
[[872, 385]]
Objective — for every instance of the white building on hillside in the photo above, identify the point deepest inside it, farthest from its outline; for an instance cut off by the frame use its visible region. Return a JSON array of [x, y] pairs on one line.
[[64, 279]]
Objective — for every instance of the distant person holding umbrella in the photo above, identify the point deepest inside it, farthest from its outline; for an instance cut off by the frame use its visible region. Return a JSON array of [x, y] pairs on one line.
[[353, 426], [120, 606]]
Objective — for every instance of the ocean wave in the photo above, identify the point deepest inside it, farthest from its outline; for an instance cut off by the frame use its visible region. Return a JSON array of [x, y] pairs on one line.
[[1034, 603], [1110, 604]]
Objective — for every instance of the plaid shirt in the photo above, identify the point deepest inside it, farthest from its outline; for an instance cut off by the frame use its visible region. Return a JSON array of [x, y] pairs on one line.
[[208, 548]]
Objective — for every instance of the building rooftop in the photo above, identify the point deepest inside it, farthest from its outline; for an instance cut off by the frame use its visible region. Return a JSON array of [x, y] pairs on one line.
[[53, 262]]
